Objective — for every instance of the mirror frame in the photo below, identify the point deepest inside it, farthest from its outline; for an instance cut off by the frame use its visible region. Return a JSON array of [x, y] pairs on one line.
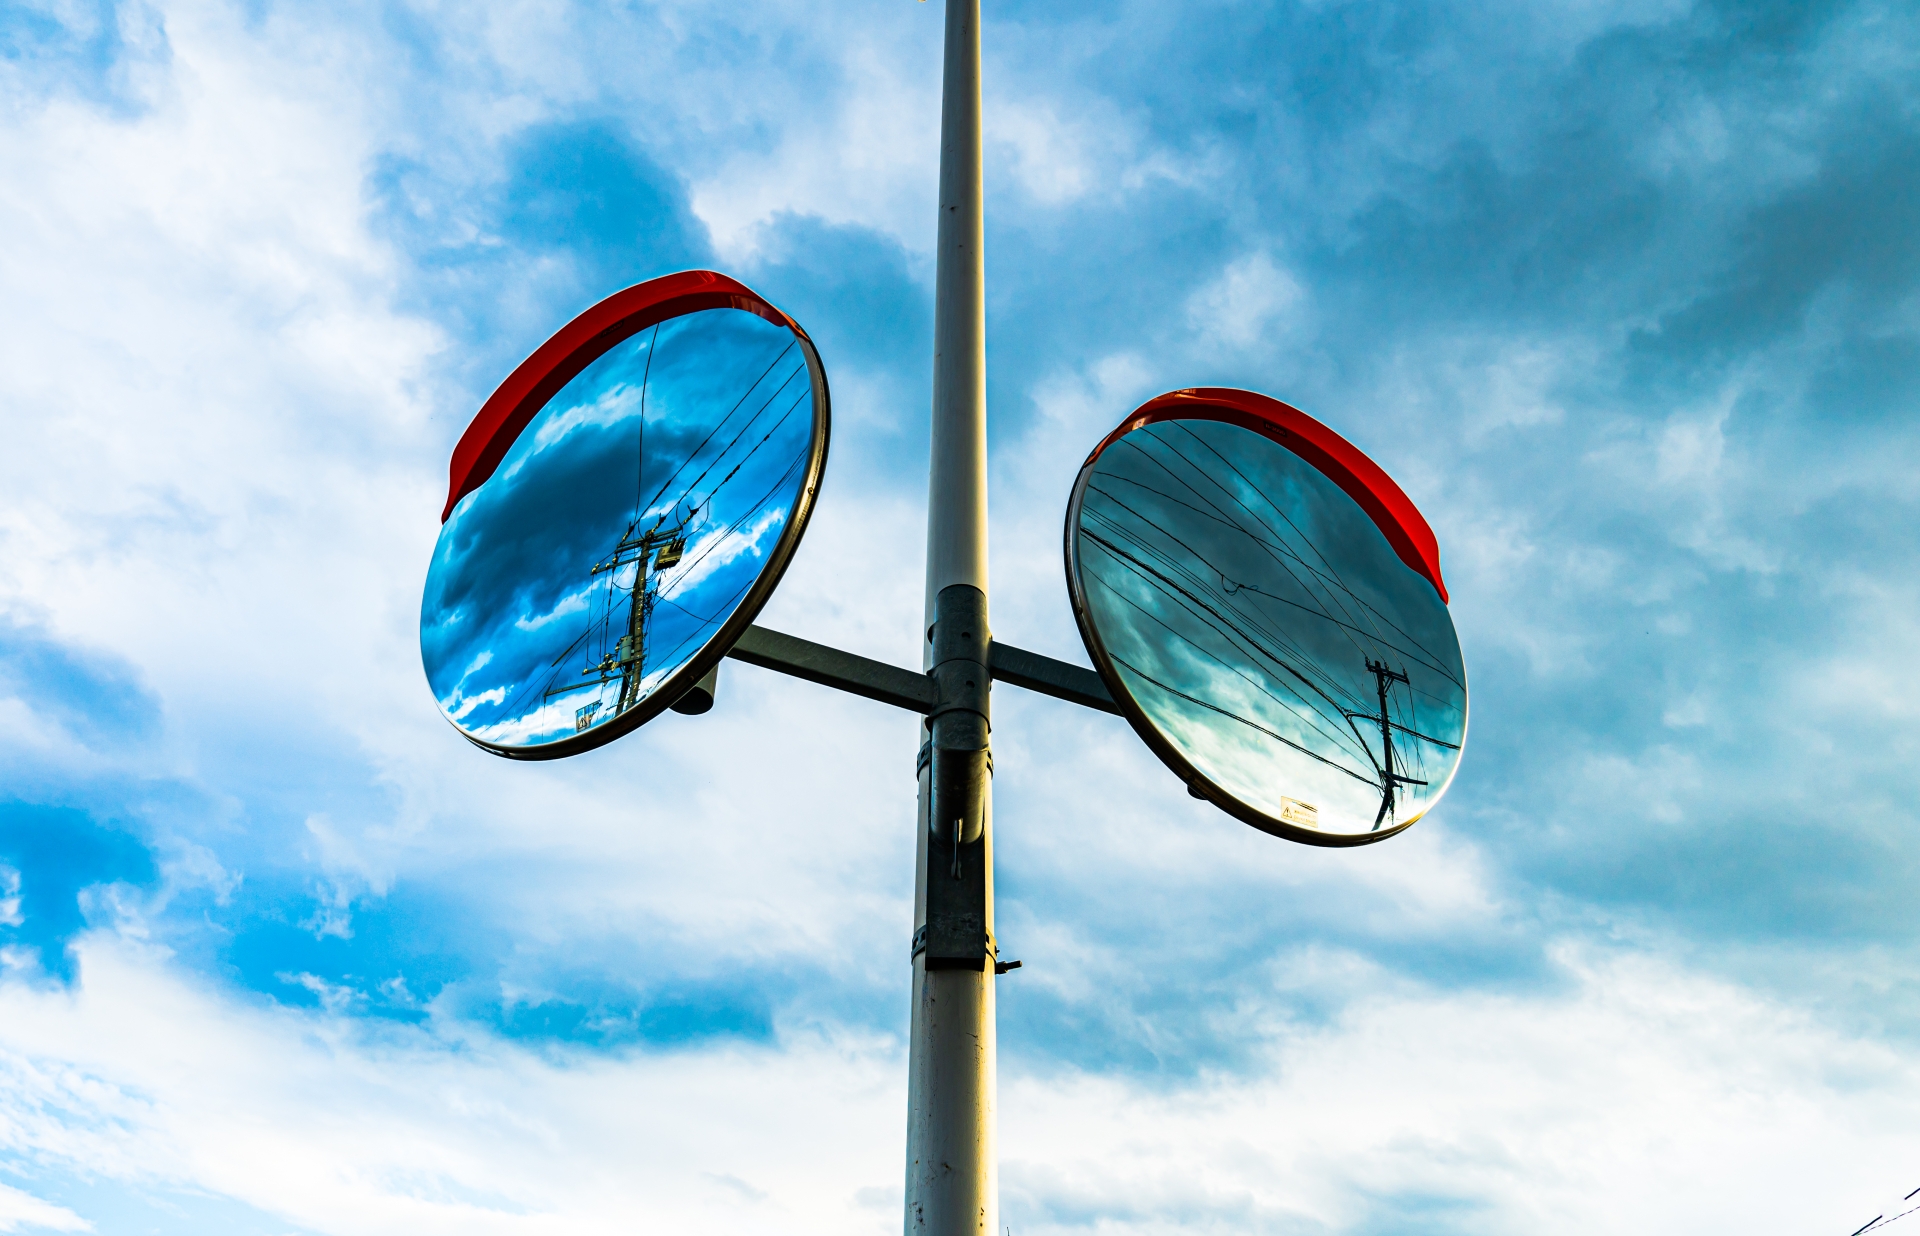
[[531, 386], [1335, 458]]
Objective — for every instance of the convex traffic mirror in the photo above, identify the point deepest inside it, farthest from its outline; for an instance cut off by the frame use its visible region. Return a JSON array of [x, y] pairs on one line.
[[619, 512], [1266, 607]]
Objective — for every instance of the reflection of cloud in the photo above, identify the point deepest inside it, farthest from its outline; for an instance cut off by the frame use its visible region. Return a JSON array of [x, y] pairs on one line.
[[548, 720], [573, 603], [459, 706], [616, 404]]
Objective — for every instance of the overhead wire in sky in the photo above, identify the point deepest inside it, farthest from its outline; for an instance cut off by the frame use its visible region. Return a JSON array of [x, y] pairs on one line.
[[1879, 1221]]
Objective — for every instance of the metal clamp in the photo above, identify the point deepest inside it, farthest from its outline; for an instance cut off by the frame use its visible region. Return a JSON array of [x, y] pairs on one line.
[[992, 951], [960, 763]]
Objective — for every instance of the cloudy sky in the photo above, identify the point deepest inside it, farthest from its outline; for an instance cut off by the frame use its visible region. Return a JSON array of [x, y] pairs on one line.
[[1627, 297]]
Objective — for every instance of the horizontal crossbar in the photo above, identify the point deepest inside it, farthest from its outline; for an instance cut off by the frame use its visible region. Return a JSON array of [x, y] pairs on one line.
[[1049, 677], [789, 654], [889, 684]]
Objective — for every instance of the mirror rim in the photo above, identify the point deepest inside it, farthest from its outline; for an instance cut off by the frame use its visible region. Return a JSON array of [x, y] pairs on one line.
[[1339, 461], [544, 374]]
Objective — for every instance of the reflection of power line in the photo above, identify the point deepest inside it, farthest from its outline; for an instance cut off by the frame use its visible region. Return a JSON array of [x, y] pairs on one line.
[[706, 502], [640, 451], [564, 652], [1260, 642], [1260, 686], [1247, 600], [1179, 566], [1253, 646], [1419, 653], [1346, 628], [648, 505], [1216, 515], [532, 681], [1331, 601], [1162, 529], [1228, 620], [1243, 600], [1301, 664], [1277, 509], [713, 463], [627, 662], [1281, 738], [726, 606], [1252, 642], [688, 569], [657, 549], [674, 652], [1335, 591]]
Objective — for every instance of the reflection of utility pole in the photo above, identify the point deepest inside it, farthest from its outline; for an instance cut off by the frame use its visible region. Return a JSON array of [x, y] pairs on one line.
[[629, 656], [1383, 678], [657, 548]]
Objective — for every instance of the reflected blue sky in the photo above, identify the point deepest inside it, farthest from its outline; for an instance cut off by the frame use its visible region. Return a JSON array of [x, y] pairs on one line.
[[1262, 622], [621, 531]]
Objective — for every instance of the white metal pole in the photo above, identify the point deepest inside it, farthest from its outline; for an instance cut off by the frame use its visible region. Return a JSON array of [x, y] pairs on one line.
[[957, 491], [952, 1169]]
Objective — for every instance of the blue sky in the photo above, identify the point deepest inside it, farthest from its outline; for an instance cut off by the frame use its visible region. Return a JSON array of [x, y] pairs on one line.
[[1625, 296]]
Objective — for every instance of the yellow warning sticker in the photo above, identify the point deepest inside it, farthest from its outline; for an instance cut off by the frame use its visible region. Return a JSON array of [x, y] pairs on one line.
[[1293, 811]]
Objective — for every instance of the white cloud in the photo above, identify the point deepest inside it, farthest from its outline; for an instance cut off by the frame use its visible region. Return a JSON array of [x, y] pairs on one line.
[[857, 145], [23, 1212], [1253, 302], [348, 1128], [1642, 1095], [1644, 1099]]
